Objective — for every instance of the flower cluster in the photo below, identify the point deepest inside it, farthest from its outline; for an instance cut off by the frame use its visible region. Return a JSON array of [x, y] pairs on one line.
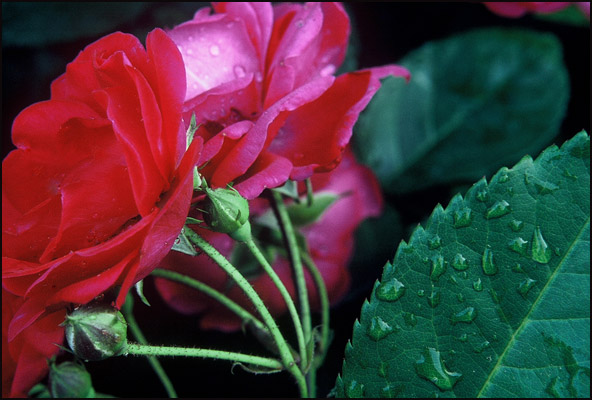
[[101, 182]]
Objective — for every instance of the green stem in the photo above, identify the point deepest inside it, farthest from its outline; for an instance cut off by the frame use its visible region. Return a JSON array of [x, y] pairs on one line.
[[324, 300], [144, 350], [213, 293], [324, 342], [290, 237], [137, 332], [241, 281], [286, 296], [309, 193]]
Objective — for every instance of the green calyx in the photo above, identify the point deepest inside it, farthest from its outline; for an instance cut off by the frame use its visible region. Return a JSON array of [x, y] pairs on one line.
[[96, 331], [226, 211], [70, 380]]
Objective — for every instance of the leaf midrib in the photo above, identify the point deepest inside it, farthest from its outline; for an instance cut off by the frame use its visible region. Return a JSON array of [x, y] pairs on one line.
[[535, 302]]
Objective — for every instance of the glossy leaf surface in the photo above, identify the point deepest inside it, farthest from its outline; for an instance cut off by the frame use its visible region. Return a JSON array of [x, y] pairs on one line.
[[492, 297]]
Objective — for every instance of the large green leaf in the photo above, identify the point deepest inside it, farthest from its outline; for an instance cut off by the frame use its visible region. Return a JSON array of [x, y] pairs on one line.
[[492, 298], [475, 102]]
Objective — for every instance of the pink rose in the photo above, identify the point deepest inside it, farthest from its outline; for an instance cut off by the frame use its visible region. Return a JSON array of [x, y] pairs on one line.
[[330, 241], [261, 82], [96, 192]]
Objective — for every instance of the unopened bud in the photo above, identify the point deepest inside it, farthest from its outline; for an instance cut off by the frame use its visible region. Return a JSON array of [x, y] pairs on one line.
[[227, 212], [95, 332], [70, 380]]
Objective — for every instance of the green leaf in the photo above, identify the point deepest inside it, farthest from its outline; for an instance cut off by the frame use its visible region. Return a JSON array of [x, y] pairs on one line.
[[571, 15], [492, 297], [140, 291], [475, 102], [183, 245], [302, 214]]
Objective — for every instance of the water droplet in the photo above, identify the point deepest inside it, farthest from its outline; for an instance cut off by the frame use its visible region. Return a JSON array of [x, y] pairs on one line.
[[431, 367], [379, 329], [452, 279], [438, 267], [434, 242], [494, 296], [391, 290], [466, 315], [258, 77], [542, 187], [299, 23], [517, 268], [525, 286], [327, 70], [557, 251], [498, 209], [516, 225], [410, 319], [478, 285], [503, 175], [239, 71], [421, 292], [553, 389], [354, 390], [518, 245], [189, 51], [434, 299], [215, 50], [462, 217], [483, 195], [391, 391], [464, 275], [463, 338], [383, 369], [489, 267], [481, 346], [460, 263], [541, 252], [460, 297], [567, 173]]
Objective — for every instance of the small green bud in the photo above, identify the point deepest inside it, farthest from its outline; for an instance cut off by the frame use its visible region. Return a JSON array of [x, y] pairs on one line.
[[70, 380], [96, 331], [226, 211]]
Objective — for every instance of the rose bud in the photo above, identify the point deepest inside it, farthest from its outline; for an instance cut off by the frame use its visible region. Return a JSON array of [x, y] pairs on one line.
[[95, 332], [226, 211], [70, 380]]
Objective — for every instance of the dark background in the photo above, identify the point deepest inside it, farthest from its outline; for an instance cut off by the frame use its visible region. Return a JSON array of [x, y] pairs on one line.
[[39, 39]]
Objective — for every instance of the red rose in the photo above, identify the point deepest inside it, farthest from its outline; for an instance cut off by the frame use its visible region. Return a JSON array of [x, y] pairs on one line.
[[96, 192], [261, 82], [330, 241]]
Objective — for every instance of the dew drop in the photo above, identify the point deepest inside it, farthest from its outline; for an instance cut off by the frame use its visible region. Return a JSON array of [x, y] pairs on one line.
[[489, 267], [327, 70], [481, 346], [409, 318], [434, 299], [391, 391], [478, 285], [517, 268], [498, 209], [354, 390], [516, 225], [541, 252], [239, 71], [215, 50], [466, 315], [567, 173], [462, 217], [438, 267], [391, 290], [518, 245], [463, 338], [503, 176], [525, 286], [189, 51], [557, 251], [543, 187], [552, 388], [460, 263], [299, 23], [434, 242], [383, 369], [452, 279], [483, 195], [421, 292], [379, 329], [258, 77], [460, 297], [431, 367]]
